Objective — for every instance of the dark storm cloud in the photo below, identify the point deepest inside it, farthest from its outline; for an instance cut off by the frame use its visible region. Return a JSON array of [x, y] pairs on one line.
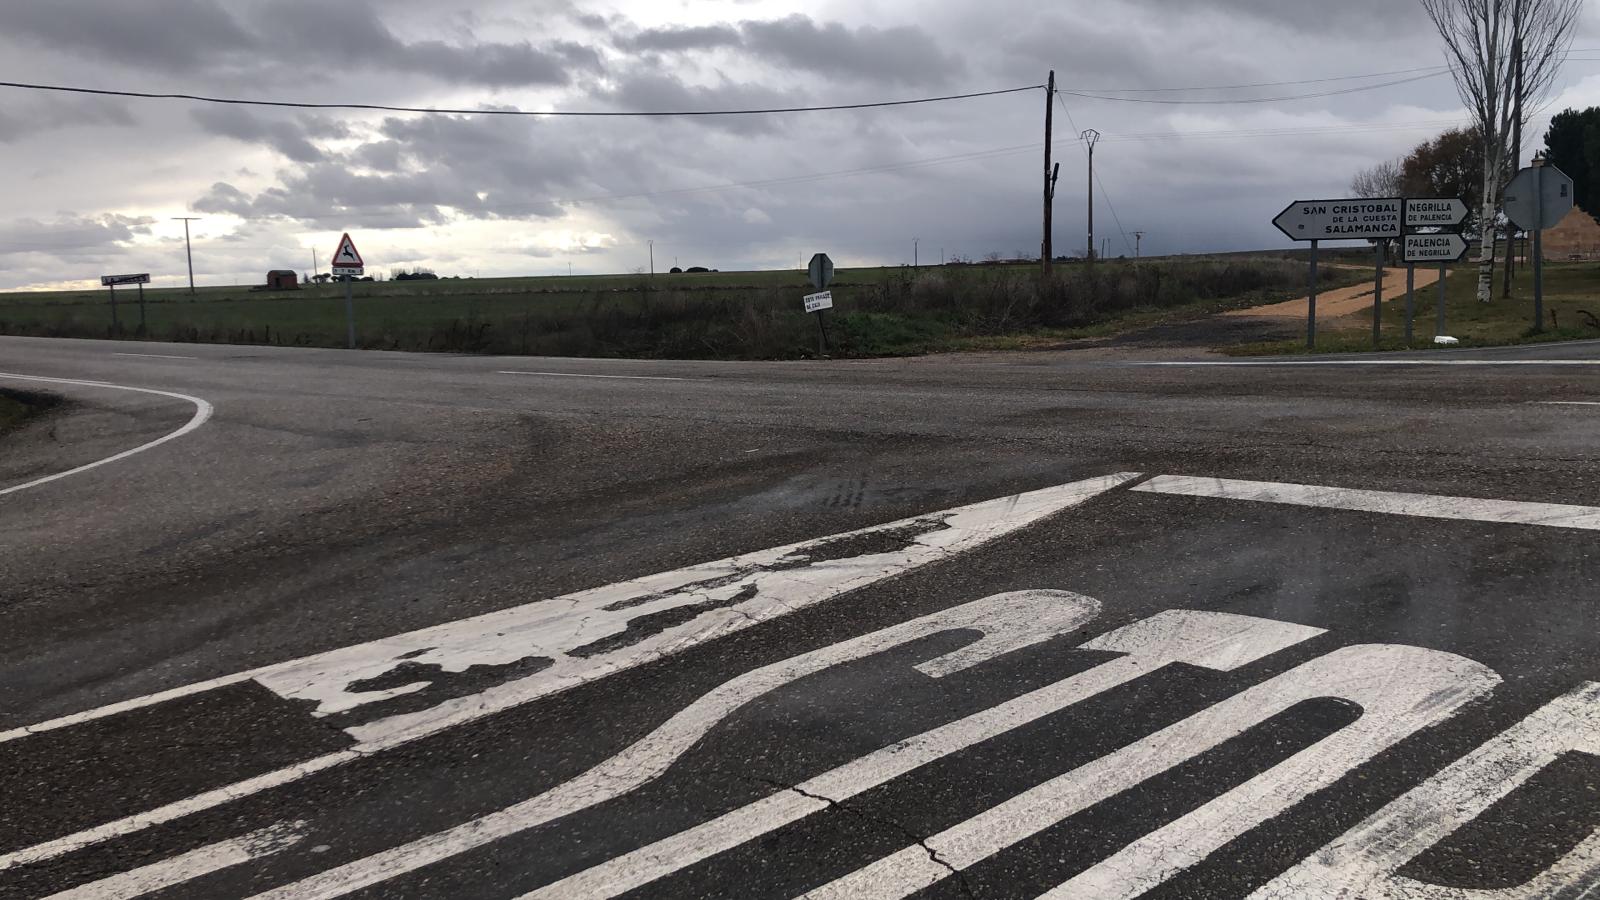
[[70, 235], [175, 35], [281, 38], [418, 169], [285, 135], [21, 120], [679, 39], [900, 55]]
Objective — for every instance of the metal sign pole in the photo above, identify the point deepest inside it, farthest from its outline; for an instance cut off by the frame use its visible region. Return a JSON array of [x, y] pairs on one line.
[[1438, 325], [115, 325], [1311, 307], [822, 334], [1411, 299], [1377, 297], [141, 308], [1538, 245], [349, 314]]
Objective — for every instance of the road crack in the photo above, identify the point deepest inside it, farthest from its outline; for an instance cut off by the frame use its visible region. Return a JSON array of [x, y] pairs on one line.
[[919, 840]]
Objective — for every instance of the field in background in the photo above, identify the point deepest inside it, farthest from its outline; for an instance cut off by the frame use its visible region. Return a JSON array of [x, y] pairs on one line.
[[729, 315], [1571, 302]]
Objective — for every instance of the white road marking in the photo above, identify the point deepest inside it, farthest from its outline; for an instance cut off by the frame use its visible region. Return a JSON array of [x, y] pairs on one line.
[[1005, 622], [1248, 363], [624, 377], [154, 356], [1428, 506], [189, 866], [736, 593], [202, 413], [1566, 403], [1400, 690], [1362, 863], [1218, 641]]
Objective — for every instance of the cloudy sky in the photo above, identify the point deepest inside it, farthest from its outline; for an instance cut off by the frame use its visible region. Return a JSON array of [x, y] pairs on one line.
[[93, 183]]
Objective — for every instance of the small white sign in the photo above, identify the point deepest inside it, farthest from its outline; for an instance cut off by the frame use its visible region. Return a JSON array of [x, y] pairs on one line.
[[1435, 248], [352, 271], [1435, 212], [819, 302], [113, 280]]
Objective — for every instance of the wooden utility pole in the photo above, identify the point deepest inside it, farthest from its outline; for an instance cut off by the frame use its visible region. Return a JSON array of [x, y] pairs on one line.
[[1046, 246], [1090, 138]]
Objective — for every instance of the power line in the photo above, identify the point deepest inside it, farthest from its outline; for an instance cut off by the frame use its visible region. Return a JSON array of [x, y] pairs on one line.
[[1243, 100], [1261, 84], [373, 107]]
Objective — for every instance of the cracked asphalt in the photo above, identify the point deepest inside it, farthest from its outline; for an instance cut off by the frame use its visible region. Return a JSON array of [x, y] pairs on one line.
[[338, 498]]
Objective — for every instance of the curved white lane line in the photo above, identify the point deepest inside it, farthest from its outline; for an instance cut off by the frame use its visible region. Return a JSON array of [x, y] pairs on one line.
[[202, 412]]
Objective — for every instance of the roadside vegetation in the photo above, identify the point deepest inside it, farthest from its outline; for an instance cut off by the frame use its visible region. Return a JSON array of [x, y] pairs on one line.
[[734, 315], [1571, 303]]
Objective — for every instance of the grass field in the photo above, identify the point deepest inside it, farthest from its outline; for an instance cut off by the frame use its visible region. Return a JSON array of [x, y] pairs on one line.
[[750, 315], [1571, 290]]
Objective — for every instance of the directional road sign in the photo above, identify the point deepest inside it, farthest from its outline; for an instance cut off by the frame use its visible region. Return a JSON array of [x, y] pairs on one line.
[[819, 302], [109, 280], [1342, 220], [821, 270], [1522, 196], [1435, 212], [1435, 248]]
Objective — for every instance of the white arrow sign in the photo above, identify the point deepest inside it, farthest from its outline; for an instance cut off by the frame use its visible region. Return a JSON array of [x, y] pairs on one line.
[[1435, 248], [1435, 212], [1342, 220]]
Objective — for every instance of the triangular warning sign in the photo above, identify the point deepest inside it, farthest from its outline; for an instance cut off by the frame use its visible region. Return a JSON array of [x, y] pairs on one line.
[[347, 255]]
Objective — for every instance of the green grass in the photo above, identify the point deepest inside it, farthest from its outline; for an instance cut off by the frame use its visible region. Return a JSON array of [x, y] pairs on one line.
[[747, 315], [1568, 289]]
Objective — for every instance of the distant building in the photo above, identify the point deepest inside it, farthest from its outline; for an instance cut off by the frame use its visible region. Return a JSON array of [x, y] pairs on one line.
[[283, 280], [1577, 237]]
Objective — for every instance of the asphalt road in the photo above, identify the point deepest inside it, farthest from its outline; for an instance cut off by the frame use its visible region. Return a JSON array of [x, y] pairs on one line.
[[1070, 625]]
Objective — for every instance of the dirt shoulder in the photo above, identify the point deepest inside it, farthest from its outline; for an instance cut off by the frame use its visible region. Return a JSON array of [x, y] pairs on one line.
[[17, 407]]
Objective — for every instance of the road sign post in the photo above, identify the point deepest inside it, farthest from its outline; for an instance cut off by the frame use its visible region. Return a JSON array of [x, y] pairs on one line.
[[820, 272], [1538, 198], [110, 282], [1411, 299], [1311, 307], [1377, 295], [1438, 324], [1442, 248], [1342, 220], [347, 263]]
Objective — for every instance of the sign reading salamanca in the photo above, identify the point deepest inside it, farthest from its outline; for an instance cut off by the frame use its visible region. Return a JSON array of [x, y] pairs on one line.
[[1342, 220]]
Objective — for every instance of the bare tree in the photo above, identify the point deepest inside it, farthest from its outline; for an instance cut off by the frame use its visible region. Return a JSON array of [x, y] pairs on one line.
[[1504, 55], [1382, 180]]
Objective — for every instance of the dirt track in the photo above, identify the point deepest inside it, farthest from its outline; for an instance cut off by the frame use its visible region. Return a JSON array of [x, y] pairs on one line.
[[1342, 302]]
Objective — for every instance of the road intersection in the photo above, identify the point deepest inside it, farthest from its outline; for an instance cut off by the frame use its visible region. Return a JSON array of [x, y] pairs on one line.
[[1033, 625]]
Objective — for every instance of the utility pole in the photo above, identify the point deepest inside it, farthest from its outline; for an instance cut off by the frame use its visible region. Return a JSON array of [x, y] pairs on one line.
[[188, 249], [1516, 153], [1047, 245], [916, 260], [316, 267], [1138, 242], [1091, 137], [652, 259]]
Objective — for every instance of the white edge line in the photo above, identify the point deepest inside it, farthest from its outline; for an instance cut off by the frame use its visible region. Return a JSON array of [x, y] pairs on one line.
[[1566, 402], [1425, 506], [154, 356], [189, 866], [1246, 363], [202, 413], [581, 375]]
